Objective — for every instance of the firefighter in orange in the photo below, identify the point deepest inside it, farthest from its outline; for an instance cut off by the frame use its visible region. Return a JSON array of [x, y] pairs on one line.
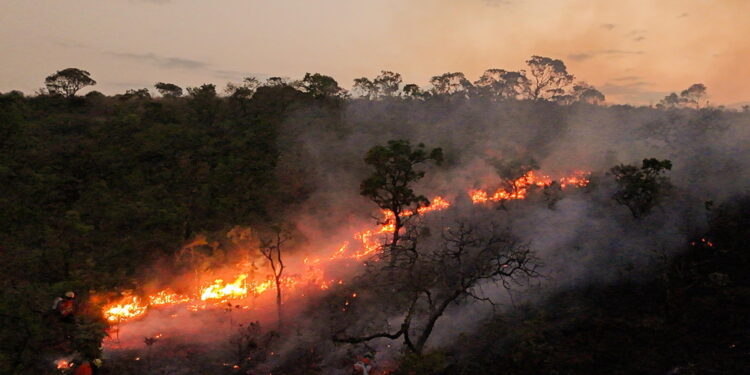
[[87, 367], [65, 307]]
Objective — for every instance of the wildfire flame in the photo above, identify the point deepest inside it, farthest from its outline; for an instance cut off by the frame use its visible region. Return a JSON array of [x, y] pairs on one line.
[[167, 297], [519, 188], [128, 307], [63, 364], [218, 292], [221, 291]]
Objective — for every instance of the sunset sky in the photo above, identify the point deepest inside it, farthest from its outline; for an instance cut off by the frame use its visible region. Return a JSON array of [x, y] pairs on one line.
[[634, 51]]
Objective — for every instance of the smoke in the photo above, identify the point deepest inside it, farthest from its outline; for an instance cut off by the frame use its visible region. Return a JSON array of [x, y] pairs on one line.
[[582, 238]]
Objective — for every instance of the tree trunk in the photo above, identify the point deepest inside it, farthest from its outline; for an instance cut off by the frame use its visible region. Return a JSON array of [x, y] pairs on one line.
[[434, 316], [278, 302], [397, 224]]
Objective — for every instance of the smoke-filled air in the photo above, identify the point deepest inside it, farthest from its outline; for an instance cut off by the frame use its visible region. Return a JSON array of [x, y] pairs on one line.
[[511, 220]]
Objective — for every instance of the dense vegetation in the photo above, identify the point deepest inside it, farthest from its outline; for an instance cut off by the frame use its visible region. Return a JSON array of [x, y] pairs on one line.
[[97, 190]]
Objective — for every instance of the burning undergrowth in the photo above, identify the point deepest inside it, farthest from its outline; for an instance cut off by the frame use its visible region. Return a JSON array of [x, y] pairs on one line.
[[208, 308], [222, 311]]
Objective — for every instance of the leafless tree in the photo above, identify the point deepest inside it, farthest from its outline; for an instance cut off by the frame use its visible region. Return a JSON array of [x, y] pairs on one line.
[[433, 272], [271, 248]]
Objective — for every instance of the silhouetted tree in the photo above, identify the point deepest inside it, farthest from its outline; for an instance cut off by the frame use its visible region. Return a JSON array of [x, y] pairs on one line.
[[434, 274], [321, 86], [168, 90], [244, 90], [68, 81], [136, 94], [502, 84], [695, 95], [412, 91], [204, 102], [451, 84], [365, 88], [585, 93], [276, 81], [387, 83], [549, 77], [272, 249], [640, 189], [390, 184]]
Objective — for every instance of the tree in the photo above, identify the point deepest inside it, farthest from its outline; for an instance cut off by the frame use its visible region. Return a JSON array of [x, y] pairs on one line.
[[412, 91], [549, 77], [435, 274], [276, 81], [244, 90], [387, 83], [136, 94], [168, 90], [640, 189], [365, 88], [585, 93], [68, 81], [695, 95], [390, 184], [321, 86], [204, 102], [450, 84], [671, 101], [499, 83], [271, 248], [511, 174]]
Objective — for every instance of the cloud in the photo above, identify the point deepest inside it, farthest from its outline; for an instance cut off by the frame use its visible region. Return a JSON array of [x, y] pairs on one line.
[[580, 56], [632, 89], [609, 52], [626, 78], [613, 52], [162, 61]]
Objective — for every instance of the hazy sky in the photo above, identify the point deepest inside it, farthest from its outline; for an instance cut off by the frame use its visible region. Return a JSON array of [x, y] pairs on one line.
[[634, 51]]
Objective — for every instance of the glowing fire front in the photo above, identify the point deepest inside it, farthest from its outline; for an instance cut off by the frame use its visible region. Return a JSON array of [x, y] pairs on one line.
[[219, 292], [128, 307], [519, 188]]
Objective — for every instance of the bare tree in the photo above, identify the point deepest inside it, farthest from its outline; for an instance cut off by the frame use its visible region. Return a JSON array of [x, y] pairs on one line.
[[433, 274], [271, 248]]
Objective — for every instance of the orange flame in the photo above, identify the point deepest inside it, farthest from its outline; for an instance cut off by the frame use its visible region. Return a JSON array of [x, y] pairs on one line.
[[367, 244], [221, 291], [520, 187], [63, 364], [128, 307], [167, 297]]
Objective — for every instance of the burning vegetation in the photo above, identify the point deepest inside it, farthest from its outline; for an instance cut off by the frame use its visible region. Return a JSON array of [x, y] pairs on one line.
[[246, 233], [218, 293]]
